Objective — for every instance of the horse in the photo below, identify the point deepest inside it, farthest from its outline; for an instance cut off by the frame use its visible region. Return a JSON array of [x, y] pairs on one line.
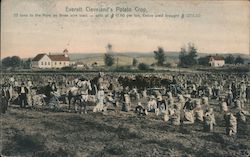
[[79, 93]]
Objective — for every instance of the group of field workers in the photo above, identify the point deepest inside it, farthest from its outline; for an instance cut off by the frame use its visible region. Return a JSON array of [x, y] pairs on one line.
[[177, 99]]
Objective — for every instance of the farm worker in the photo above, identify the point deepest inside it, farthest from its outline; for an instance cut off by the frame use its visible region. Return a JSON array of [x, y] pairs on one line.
[[175, 116], [4, 102], [238, 104], [170, 100], [230, 97], [248, 93], [53, 87], [144, 93], [181, 101], [167, 115], [231, 124], [210, 91], [188, 111], [127, 103], [134, 91], [139, 109], [241, 116], [223, 106], [243, 89], [100, 100], [108, 100], [216, 88], [234, 90], [209, 120], [161, 104], [204, 102], [152, 104], [198, 111], [22, 92], [84, 85], [48, 90]]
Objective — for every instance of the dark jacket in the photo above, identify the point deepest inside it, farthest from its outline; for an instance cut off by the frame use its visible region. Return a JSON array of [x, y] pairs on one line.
[[25, 89]]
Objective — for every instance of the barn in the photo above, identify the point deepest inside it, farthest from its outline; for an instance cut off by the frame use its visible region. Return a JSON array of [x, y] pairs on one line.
[[216, 61]]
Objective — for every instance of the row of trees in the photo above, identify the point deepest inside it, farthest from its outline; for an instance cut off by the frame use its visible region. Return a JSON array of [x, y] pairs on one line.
[[230, 59], [15, 62], [188, 57]]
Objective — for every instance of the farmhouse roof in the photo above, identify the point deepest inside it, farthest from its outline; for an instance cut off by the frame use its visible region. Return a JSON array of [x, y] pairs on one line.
[[55, 57], [58, 57], [217, 57], [38, 57]]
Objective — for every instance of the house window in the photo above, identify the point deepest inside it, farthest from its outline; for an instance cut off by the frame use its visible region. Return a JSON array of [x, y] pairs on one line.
[[48, 63], [55, 63], [45, 63], [60, 63], [64, 63], [41, 63]]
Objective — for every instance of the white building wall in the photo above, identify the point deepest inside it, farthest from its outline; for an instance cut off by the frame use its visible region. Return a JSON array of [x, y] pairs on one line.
[[59, 64], [44, 62], [217, 63]]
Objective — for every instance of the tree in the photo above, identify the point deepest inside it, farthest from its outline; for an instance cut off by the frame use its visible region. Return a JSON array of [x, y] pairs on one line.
[[230, 59], [239, 60], [143, 66], [188, 57], [26, 63], [109, 57], [6, 62], [182, 56], [135, 62], [203, 61], [160, 56], [13, 61], [192, 54]]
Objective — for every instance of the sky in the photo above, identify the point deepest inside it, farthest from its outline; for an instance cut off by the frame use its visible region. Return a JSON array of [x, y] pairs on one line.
[[217, 26]]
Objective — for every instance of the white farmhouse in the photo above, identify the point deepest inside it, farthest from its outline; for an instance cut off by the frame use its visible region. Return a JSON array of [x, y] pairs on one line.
[[45, 61], [216, 61]]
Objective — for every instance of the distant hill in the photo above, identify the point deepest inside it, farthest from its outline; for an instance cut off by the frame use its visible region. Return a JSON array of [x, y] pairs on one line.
[[126, 58]]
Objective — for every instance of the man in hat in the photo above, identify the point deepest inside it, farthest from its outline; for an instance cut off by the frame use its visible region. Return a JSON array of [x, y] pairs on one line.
[[22, 92]]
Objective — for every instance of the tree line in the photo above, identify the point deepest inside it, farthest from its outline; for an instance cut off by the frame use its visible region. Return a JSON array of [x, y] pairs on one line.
[[188, 57], [15, 62]]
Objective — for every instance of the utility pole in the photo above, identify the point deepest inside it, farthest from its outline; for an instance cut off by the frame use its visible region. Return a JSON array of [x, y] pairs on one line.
[[117, 59]]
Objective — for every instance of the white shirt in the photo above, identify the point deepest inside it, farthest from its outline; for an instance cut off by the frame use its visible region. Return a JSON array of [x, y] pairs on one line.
[[22, 90]]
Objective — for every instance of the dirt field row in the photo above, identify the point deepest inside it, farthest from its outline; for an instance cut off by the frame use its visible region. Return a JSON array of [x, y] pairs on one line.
[[27, 132]]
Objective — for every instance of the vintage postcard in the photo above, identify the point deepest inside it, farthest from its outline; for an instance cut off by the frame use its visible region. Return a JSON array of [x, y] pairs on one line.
[[125, 78]]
